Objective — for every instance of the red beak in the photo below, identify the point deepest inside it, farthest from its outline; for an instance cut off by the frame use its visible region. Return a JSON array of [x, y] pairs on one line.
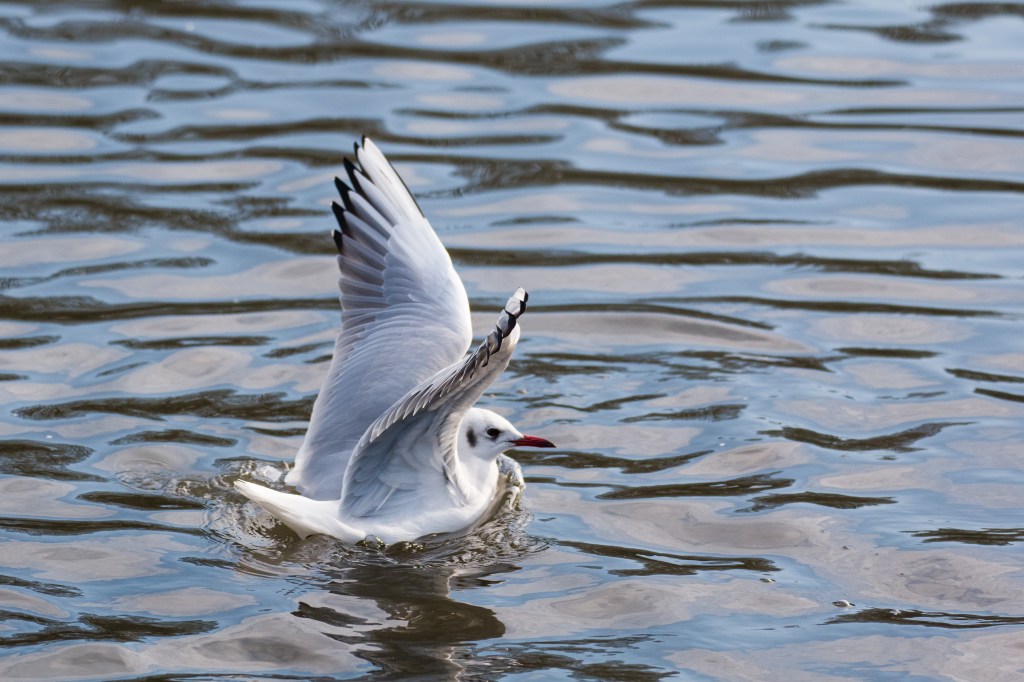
[[533, 442]]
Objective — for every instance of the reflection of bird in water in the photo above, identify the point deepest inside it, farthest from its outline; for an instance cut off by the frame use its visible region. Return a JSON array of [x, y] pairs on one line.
[[395, 448], [421, 630]]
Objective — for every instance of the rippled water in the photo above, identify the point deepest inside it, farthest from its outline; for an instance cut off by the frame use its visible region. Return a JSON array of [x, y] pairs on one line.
[[774, 252]]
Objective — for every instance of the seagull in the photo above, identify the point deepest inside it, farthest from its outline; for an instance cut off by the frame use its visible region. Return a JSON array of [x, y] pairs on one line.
[[395, 449]]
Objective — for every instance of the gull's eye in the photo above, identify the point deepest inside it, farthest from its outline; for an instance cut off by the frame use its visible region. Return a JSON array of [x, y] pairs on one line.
[[493, 433]]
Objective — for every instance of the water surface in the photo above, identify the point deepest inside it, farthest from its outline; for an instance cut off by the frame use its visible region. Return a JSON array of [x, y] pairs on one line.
[[774, 258]]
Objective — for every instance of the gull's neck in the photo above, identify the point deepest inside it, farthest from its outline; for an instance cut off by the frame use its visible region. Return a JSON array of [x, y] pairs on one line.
[[478, 477]]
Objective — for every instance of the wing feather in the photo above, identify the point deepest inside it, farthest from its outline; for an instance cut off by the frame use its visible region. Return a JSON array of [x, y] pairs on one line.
[[409, 452], [404, 312]]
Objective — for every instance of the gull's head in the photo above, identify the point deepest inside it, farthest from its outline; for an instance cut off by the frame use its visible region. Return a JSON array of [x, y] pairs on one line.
[[485, 435]]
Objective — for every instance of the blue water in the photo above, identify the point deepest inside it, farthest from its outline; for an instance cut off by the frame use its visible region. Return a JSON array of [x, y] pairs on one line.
[[773, 253]]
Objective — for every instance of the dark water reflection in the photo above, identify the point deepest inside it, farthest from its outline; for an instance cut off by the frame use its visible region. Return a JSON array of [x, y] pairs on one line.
[[773, 251]]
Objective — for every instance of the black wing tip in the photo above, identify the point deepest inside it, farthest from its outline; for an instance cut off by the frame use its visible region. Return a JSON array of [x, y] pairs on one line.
[[516, 304], [515, 307], [338, 233], [344, 191], [356, 165], [362, 148], [340, 185], [353, 171]]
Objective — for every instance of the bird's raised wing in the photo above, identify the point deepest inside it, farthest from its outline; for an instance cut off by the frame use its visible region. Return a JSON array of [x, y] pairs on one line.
[[409, 455], [404, 315]]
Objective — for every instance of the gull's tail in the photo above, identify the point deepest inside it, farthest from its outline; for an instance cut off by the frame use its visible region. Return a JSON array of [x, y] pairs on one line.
[[301, 514]]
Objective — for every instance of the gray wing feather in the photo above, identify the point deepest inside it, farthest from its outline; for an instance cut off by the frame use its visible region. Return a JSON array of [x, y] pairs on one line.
[[410, 450], [404, 314]]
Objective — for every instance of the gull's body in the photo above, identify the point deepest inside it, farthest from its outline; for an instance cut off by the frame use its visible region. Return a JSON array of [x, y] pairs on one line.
[[395, 449]]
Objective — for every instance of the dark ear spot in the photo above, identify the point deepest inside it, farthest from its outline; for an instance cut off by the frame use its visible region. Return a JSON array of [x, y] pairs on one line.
[[471, 437], [493, 433]]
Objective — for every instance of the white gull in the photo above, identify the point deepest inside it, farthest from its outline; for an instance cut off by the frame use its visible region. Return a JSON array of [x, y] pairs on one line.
[[395, 449]]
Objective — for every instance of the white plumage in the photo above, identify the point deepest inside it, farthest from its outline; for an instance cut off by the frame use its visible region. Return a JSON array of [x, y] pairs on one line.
[[395, 449]]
